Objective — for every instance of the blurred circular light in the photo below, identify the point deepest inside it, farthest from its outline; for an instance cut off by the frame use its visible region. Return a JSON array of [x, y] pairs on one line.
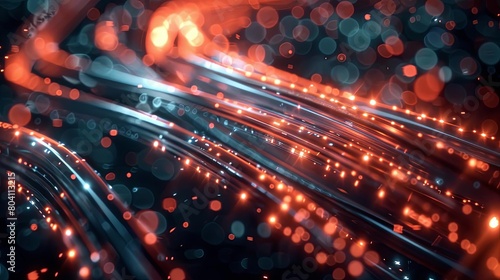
[[489, 53], [426, 58], [493, 222]]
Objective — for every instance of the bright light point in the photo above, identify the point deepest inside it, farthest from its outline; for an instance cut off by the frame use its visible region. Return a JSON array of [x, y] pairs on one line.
[[373, 102], [17, 133], [95, 257], [86, 186], [243, 196], [352, 97], [381, 194], [397, 262], [366, 158], [493, 222], [68, 232], [159, 36], [71, 253], [272, 220], [155, 144]]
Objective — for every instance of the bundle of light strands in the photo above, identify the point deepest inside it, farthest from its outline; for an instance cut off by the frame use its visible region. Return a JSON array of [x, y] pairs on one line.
[[251, 140]]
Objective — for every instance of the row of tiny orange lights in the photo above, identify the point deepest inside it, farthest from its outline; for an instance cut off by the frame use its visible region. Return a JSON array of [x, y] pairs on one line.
[[329, 229], [84, 272], [493, 222], [381, 192], [328, 90], [366, 158], [243, 196]]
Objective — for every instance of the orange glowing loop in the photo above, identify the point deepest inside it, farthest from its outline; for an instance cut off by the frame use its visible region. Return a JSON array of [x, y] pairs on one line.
[[182, 28], [173, 22]]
